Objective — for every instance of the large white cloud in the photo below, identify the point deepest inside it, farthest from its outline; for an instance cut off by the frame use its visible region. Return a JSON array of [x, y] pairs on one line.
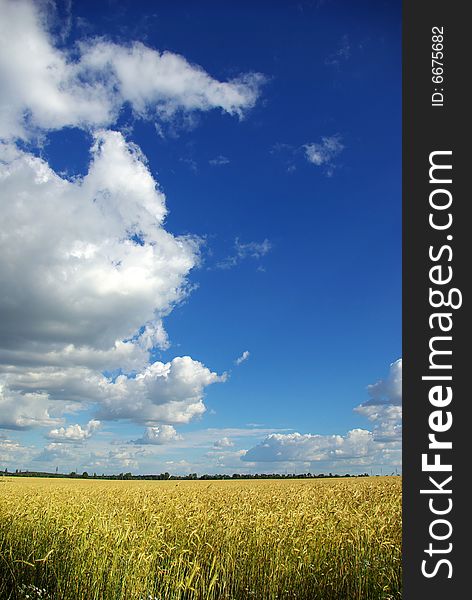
[[71, 273], [87, 274], [44, 87]]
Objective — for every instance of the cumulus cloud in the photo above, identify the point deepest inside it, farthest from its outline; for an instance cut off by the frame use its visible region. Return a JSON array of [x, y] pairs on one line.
[[74, 433], [244, 356], [163, 392], [323, 154], [90, 285], [44, 87], [223, 443], [159, 435]]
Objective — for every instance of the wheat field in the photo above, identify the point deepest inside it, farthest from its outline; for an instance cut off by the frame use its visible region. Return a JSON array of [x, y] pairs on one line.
[[329, 539]]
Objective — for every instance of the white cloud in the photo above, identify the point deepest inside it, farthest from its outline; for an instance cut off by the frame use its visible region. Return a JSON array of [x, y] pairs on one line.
[[163, 83], [159, 435], [223, 443], [324, 153], [244, 356], [74, 433], [46, 88], [163, 392], [90, 286]]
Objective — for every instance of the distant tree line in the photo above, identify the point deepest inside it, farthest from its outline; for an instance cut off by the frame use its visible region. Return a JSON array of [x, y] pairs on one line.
[[168, 476]]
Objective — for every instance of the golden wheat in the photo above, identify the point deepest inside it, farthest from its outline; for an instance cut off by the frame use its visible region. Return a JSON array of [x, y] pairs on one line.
[[333, 539]]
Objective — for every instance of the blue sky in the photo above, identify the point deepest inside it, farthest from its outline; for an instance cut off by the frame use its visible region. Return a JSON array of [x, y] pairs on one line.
[[275, 136]]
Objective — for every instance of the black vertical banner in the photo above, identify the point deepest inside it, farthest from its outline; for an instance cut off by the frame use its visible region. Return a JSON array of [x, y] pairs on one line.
[[437, 251]]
